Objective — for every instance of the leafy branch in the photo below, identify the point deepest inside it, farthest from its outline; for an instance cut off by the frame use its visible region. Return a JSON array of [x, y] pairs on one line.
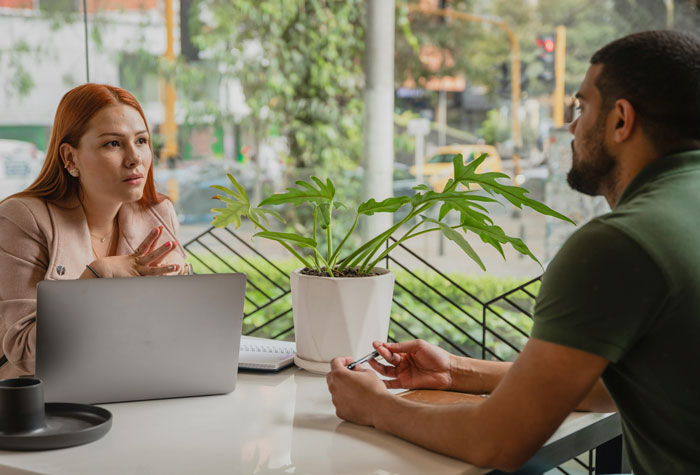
[[457, 198]]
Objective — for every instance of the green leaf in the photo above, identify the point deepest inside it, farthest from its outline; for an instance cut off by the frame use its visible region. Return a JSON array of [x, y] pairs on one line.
[[288, 237], [239, 188], [388, 205], [324, 215], [462, 206], [451, 196], [237, 206], [493, 235], [421, 187], [466, 211], [304, 192], [261, 214], [456, 237], [226, 216], [228, 191], [227, 200], [466, 174]]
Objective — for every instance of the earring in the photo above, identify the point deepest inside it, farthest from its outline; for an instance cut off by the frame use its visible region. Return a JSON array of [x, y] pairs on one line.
[[74, 172]]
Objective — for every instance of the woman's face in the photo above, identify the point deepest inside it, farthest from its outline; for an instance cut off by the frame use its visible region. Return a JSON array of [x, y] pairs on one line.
[[113, 156]]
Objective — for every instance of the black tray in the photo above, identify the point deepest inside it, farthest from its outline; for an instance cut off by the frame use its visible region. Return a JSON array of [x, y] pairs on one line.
[[67, 425]]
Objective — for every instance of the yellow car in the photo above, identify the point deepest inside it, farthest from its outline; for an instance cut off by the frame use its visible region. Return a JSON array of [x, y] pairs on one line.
[[438, 168]]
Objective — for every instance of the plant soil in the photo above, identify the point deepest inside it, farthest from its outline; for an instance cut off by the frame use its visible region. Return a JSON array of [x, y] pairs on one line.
[[348, 272]]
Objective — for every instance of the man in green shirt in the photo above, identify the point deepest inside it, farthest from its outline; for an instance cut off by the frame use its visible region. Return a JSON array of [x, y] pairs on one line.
[[617, 320]]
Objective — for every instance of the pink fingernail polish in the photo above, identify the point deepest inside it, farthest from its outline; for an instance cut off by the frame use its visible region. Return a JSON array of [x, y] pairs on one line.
[[168, 244]]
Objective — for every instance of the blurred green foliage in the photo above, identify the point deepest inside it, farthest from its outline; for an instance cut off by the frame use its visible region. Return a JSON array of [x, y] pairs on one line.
[[479, 49], [300, 66], [494, 130]]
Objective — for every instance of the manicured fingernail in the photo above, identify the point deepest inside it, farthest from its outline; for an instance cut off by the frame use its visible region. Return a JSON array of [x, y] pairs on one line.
[[173, 267], [168, 244], [155, 231]]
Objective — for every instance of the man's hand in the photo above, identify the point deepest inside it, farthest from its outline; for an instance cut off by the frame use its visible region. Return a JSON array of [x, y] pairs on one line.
[[354, 392], [416, 364], [538, 391]]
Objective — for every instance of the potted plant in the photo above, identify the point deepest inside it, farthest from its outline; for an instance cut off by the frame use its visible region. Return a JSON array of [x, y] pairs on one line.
[[341, 299]]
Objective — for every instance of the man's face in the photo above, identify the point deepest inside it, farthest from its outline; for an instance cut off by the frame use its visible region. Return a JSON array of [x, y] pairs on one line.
[[592, 163]]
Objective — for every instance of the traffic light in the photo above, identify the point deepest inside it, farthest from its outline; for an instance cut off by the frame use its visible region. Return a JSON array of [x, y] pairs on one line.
[[505, 84], [546, 46]]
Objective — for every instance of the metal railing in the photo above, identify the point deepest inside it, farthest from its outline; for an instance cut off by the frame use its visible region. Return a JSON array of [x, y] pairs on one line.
[[428, 304]]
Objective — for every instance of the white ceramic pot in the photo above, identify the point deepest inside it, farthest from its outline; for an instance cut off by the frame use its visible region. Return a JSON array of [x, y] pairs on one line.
[[339, 316]]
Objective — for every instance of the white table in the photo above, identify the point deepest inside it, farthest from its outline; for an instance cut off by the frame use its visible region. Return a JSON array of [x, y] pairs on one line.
[[272, 423]]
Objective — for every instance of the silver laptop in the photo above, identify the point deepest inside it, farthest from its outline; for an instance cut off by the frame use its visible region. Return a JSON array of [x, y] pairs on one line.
[[128, 339]]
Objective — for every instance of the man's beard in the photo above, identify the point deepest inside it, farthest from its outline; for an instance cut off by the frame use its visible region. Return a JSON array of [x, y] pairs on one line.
[[587, 176]]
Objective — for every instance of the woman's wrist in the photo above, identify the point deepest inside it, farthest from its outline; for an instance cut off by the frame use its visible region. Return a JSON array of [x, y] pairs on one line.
[[99, 267], [94, 272]]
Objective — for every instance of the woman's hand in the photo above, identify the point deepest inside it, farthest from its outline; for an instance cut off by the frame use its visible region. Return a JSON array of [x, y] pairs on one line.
[[146, 260], [415, 364]]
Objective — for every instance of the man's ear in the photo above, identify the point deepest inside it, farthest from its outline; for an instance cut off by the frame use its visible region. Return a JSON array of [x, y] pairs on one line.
[[625, 120]]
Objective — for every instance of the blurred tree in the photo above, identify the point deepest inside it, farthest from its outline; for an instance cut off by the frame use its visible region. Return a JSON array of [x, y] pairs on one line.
[[494, 130], [299, 63], [479, 50]]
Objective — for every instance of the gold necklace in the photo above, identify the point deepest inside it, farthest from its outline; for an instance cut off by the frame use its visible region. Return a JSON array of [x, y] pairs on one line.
[[103, 239], [110, 235]]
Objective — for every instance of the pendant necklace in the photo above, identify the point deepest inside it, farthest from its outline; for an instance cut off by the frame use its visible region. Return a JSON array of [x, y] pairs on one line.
[[103, 239]]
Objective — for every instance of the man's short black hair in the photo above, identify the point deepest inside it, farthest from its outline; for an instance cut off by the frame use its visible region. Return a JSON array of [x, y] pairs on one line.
[[658, 72]]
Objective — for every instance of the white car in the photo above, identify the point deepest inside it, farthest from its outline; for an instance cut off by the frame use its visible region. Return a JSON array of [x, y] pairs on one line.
[[20, 163]]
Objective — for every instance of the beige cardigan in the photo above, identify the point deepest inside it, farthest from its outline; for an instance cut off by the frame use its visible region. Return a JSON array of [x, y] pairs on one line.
[[41, 240]]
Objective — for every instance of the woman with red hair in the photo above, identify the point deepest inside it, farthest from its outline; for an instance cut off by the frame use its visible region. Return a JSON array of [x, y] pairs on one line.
[[92, 212]]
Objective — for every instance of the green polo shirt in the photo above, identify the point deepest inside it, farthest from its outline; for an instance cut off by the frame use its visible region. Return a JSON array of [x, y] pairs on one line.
[[626, 287]]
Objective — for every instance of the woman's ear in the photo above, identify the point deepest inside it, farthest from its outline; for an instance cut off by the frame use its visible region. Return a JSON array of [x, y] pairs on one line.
[[67, 154], [625, 120]]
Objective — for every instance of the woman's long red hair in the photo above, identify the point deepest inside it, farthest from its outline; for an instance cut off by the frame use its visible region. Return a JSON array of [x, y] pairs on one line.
[[75, 110]]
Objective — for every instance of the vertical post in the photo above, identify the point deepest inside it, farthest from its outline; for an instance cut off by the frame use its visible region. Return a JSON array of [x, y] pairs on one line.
[[169, 127], [379, 110], [442, 117], [609, 457], [670, 7], [87, 41], [483, 332], [420, 158], [515, 100], [559, 75], [419, 128]]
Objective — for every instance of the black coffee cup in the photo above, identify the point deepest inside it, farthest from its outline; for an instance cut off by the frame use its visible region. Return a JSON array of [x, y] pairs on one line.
[[21, 405]]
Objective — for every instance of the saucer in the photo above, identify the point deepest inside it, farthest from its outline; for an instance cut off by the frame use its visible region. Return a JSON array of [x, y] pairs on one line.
[[314, 367], [67, 425]]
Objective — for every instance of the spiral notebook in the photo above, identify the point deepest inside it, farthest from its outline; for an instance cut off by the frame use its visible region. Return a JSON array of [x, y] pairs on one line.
[[263, 354]]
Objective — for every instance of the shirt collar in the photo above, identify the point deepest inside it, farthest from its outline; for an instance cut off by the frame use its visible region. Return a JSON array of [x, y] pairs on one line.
[[670, 164]]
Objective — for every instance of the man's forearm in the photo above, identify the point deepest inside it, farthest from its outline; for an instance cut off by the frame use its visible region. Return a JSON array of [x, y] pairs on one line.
[[453, 430], [476, 376]]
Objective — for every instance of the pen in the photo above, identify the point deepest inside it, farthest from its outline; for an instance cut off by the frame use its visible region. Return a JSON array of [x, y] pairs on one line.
[[364, 359]]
